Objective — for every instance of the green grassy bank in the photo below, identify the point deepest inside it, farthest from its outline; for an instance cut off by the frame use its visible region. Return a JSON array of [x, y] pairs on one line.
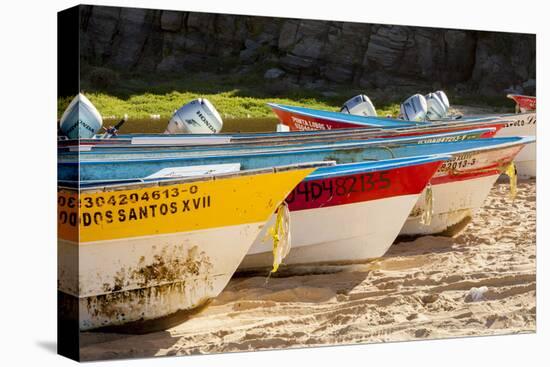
[[234, 95]]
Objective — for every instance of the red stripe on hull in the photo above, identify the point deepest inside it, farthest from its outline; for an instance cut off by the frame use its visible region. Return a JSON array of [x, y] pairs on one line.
[[463, 176], [361, 187], [475, 164]]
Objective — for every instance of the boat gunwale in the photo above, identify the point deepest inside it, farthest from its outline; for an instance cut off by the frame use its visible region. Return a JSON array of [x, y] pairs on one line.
[[516, 140], [127, 144], [184, 180], [306, 146]]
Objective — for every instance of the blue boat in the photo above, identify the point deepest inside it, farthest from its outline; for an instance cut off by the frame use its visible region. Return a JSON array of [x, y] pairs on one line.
[[150, 141], [99, 166], [108, 151]]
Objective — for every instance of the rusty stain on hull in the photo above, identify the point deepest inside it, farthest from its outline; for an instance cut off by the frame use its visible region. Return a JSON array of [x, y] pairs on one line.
[[168, 283], [136, 306], [158, 324], [163, 269]]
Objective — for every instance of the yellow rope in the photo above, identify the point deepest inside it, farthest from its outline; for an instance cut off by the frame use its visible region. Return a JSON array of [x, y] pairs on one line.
[[510, 171], [280, 233], [429, 210]]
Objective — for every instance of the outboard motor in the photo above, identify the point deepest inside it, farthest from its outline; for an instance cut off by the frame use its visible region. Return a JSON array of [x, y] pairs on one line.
[[197, 117], [81, 119], [414, 108], [438, 105], [444, 99], [359, 105]]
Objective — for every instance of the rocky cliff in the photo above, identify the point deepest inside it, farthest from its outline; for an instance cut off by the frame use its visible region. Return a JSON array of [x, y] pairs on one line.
[[306, 52]]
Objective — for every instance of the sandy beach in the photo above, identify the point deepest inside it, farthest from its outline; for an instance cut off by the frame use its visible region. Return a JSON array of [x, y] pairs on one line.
[[422, 289]]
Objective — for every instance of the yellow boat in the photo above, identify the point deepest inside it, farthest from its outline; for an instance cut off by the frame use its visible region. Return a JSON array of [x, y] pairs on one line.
[[139, 252]]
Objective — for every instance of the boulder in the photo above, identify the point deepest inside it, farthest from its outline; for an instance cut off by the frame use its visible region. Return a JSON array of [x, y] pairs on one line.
[[274, 73]]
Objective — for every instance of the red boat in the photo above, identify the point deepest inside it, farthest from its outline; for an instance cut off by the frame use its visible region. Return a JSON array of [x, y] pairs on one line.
[[524, 103], [305, 119]]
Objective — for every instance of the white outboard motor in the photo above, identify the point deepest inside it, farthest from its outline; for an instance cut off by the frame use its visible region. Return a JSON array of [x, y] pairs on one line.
[[359, 105], [81, 119], [414, 108], [444, 99], [197, 117], [438, 105]]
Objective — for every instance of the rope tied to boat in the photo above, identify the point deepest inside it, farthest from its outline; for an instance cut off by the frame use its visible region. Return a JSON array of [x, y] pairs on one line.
[[427, 215], [510, 171], [280, 233]]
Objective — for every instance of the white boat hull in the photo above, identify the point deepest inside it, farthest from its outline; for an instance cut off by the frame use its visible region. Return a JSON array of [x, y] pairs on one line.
[[454, 204], [525, 161], [342, 233], [116, 277]]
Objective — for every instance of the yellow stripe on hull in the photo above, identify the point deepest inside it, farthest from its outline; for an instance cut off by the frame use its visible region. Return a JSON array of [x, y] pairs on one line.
[[125, 255], [173, 208]]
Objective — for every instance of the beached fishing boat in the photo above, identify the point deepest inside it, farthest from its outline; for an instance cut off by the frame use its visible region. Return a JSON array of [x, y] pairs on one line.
[[523, 124], [134, 253], [137, 164], [458, 189], [348, 212], [517, 125], [524, 103], [303, 118]]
